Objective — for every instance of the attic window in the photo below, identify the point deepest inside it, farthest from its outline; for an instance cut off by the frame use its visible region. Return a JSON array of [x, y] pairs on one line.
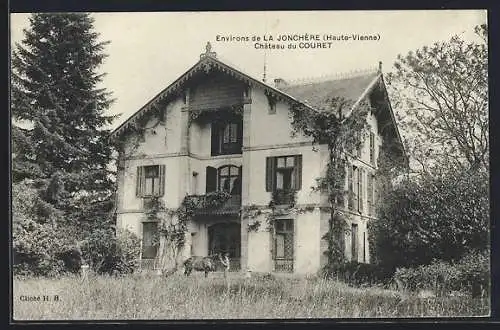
[[272, 104]]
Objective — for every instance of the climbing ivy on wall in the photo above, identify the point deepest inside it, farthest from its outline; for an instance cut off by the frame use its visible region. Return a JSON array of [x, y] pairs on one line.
[[274, 209], [173, 223], [342, 129]]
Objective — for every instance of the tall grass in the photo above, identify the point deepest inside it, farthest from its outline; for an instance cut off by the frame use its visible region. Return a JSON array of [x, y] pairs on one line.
[[196, 297]]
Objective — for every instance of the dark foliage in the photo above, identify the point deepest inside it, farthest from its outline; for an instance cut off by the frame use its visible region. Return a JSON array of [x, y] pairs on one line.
[[356, 273], [55, 90], [110, 253], [440, 217], [470, 274]]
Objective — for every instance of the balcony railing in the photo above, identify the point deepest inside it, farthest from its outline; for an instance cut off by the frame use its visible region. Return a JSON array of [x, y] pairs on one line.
[[284, 197], [210, 205]]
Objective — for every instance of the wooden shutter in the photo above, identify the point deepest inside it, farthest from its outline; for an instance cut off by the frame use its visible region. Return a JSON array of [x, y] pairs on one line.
[[354, 242], [215, 139], [372, 148], [355, 175], [139, 188], [162, 180], [369, 189], [298, 172], [360, 189], [240, 175], [211, 179], [350, 197], [240, 133], [270, 169]]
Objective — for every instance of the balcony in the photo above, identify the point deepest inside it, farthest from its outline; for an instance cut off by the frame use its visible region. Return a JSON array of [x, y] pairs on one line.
[[284, 197], [216, 203]]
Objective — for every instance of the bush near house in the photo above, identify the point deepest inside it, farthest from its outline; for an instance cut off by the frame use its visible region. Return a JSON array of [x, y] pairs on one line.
[[444, 217], [40, 245], [111, 253], [471, 274], [357, 273]]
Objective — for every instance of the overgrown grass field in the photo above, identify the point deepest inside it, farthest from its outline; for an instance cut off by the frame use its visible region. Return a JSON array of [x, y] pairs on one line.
[[196, 297]]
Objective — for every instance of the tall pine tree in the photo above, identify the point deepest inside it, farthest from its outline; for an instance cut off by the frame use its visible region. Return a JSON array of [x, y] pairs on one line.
[[55, 87]]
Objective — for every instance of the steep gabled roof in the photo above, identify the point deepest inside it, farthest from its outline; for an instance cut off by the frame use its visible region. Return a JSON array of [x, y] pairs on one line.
[[316, 93], [310, 95], [204, 64]]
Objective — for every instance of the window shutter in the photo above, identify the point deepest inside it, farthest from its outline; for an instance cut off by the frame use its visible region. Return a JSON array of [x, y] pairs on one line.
[[298, 172], [237, 190], [215, 139], [270, 169], [211, 179], [369, 196], [361, 189], [162, 180], [350, 196], [372, 148], [355, 180], [140, 181], [240, 132]]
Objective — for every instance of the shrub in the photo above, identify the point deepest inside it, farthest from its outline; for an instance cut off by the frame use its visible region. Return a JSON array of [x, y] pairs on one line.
[[110, 253], [441, 217], [356, 273], [476, 273], [471, 274], [38, 242]]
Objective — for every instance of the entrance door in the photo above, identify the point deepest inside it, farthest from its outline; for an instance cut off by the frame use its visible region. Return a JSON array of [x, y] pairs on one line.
[[283, 245], [226, 237]]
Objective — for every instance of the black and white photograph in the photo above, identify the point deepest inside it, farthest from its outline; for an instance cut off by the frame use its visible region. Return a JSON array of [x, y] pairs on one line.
[[249, 165]]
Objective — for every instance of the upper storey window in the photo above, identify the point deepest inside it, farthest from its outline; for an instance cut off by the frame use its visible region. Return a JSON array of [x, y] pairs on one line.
[[150, 181], [227, 138]]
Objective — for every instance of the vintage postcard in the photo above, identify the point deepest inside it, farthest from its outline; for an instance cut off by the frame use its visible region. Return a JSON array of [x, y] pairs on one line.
[[250, 165]]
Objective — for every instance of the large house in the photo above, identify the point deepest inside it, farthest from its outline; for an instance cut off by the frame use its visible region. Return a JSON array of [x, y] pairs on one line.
[[216, 128]]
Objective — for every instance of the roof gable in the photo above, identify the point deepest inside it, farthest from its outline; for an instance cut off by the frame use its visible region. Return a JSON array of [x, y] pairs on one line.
[[207, 64], [310, 95], [314, 94]]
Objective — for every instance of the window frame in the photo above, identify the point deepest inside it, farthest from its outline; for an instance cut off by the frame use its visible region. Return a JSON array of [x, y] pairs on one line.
[[288, 170], [154, 247], [237, 178], [155, 180], [158, 179], [295, 172], [233, 131], [287, 260]]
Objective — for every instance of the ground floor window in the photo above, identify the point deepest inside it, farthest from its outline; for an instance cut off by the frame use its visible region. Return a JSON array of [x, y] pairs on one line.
[[149, 240], [283, 245]]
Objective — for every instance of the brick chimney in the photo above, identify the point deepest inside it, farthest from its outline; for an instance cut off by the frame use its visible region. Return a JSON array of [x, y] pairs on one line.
[[280, 83]]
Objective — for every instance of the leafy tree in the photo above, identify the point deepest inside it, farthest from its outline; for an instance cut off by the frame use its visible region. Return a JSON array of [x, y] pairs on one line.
[[441, 92], [441, 216], [55, 87]]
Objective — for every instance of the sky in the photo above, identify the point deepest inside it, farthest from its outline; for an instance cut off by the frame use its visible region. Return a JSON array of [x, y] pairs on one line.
[[148, 51]]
